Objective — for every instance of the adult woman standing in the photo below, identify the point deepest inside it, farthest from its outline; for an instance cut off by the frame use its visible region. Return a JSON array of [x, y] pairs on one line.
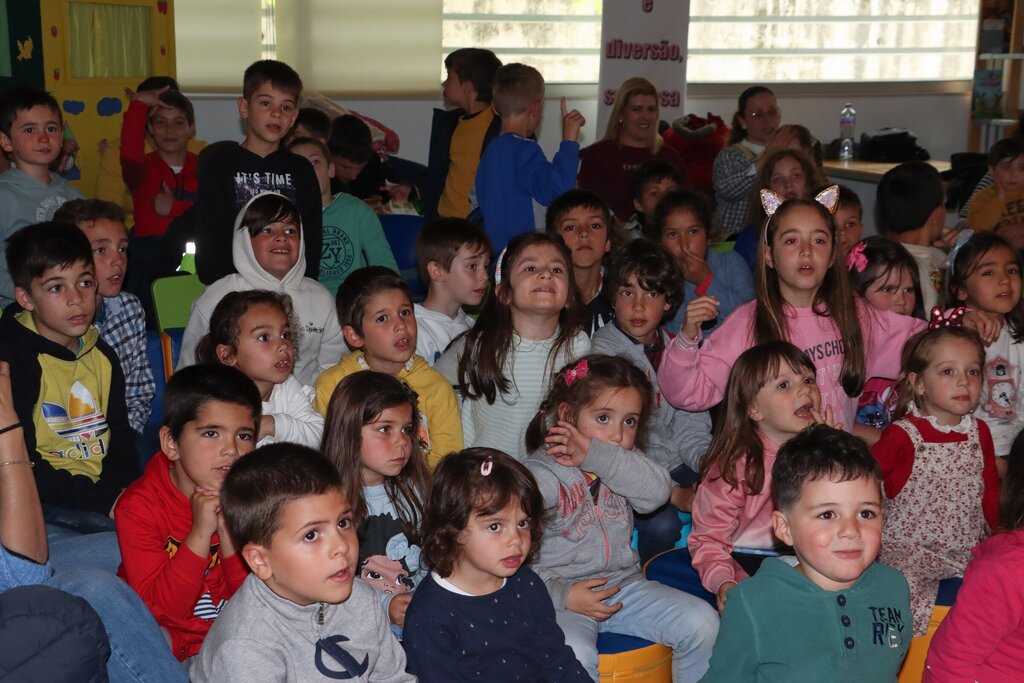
[[755, 134], [630, 139]]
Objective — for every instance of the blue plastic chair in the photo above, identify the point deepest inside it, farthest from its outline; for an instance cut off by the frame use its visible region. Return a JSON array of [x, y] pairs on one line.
[[401, 231]]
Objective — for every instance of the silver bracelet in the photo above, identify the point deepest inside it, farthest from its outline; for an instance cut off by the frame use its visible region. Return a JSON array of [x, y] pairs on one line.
[[18, 462]]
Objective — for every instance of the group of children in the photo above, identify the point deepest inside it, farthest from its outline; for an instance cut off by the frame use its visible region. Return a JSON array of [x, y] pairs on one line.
[[482, 476]]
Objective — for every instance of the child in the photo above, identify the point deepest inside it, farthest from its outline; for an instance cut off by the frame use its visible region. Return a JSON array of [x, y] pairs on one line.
[[1000, 207], [119, 316], [268, 248], [513, 170], [169, 522], [938, 469], [459, 136], [482, 528], [584, 453], [372, 437], [985, 275], [838, 615], [310, 122], [376, 314], [849, 219], [885, 275], [353, 236], [251, 330], [164, 182], [582, 220], [803, 296], [645, 286], [453, 257], [68, 386], [910, 210], [652, 181], [771, 396], [231, 174], [31, 128], [532, 325], [789, 173], [680, 224], [287, 513], [980, 638]]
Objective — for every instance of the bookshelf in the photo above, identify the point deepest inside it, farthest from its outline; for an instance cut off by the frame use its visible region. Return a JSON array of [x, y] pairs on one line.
[[1000, 49]]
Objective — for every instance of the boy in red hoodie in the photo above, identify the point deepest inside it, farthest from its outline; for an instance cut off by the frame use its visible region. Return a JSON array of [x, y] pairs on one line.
[[175, 552]]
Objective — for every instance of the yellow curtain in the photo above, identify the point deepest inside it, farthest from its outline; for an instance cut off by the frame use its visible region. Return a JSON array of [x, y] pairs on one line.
[[109, 41]]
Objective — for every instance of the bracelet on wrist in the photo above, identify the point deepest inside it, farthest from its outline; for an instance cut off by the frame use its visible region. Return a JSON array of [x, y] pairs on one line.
[[17, 462], [10, 427]]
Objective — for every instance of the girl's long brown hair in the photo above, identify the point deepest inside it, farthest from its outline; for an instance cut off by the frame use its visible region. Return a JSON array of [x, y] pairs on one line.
[[834, 299], [482, 365], [358, 400], [736, 436]]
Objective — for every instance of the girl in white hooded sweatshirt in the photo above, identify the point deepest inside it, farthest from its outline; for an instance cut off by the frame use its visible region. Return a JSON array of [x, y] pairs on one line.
[[269, 253]]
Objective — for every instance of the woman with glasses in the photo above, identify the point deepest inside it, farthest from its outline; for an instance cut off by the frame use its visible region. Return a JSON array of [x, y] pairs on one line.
[[630, 139], [756, 133]]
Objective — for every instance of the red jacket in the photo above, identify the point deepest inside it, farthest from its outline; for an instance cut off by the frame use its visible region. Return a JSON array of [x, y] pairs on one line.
[[153, 518], [145, 174]]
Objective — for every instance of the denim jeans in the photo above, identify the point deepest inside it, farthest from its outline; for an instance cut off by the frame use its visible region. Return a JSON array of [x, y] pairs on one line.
[[69, 550], [138, 651], [78, 521], [659, 530], [657, 613]]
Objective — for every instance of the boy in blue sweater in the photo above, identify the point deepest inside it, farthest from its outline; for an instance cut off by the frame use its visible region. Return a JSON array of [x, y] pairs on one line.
[[513, 170]]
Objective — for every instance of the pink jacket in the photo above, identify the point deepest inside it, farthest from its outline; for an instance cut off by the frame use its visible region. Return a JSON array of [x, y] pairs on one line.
[[982, 638], [725, 518], [694, 378]]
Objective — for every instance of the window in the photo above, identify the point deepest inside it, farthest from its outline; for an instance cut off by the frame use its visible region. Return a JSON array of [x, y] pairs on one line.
[[397, 46]]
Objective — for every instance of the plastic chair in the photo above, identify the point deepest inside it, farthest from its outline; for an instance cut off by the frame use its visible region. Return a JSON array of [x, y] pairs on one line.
[[401, 231], [623, 658], [173, 297], [170, 344], [913, 666]]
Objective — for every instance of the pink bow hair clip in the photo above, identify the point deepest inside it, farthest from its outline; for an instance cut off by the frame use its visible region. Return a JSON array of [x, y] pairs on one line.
[[856, 260], [486, 466], [955, 318], [578, 371]]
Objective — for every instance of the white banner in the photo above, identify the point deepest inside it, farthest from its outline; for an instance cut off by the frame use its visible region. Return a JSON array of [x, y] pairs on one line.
[[644, 38]]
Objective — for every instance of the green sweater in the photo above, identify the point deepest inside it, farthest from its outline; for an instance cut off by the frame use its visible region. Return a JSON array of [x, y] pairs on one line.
[[779, 626], [353, 239]]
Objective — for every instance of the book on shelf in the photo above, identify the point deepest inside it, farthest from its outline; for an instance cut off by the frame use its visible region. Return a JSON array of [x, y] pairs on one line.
[[987, 99]]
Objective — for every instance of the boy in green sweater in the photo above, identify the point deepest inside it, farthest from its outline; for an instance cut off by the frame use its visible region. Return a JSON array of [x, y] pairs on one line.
[[837, 615]]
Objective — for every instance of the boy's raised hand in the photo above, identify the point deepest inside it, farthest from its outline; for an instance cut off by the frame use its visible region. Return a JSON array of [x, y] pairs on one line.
[[151, 98], [584, 599], [205, 509], [698, 312], [163, 201], [572, 121], [566, 444]]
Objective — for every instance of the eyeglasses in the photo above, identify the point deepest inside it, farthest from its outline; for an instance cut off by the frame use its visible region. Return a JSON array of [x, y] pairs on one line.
[[774, 112]]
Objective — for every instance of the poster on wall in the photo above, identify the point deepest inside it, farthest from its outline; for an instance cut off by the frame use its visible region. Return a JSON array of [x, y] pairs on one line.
[[644, 38]]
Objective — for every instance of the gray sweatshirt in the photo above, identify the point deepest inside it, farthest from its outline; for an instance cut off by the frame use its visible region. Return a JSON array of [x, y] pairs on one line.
[[260, 636], [675, 437], [587, 540]]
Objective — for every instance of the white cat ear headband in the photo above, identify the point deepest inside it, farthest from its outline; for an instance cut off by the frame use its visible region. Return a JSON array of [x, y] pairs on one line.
[[771, 201]]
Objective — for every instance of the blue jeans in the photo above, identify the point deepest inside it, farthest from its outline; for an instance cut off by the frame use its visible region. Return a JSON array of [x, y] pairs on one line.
[[657, 613], [78, 521], [138, 651], [70, 551], [659, 530]]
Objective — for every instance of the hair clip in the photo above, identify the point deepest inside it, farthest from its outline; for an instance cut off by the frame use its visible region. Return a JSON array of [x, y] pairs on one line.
[[954, 319], [497, 268], [961, 240], [578, 371], [856, 260], [486, 466], [829, 198]]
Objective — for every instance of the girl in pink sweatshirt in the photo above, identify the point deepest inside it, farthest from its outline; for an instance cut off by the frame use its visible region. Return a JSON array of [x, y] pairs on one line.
[[772, 395], [803, 296]]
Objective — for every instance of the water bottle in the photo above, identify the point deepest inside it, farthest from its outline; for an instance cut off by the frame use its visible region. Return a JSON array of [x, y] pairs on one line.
[[847, 123]]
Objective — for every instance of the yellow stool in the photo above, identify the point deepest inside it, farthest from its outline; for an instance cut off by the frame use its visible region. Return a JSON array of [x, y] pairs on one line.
[[624, 659], [913, 666]]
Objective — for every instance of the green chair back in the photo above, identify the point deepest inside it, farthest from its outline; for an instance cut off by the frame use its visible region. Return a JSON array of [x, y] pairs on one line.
[[173, 297]]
